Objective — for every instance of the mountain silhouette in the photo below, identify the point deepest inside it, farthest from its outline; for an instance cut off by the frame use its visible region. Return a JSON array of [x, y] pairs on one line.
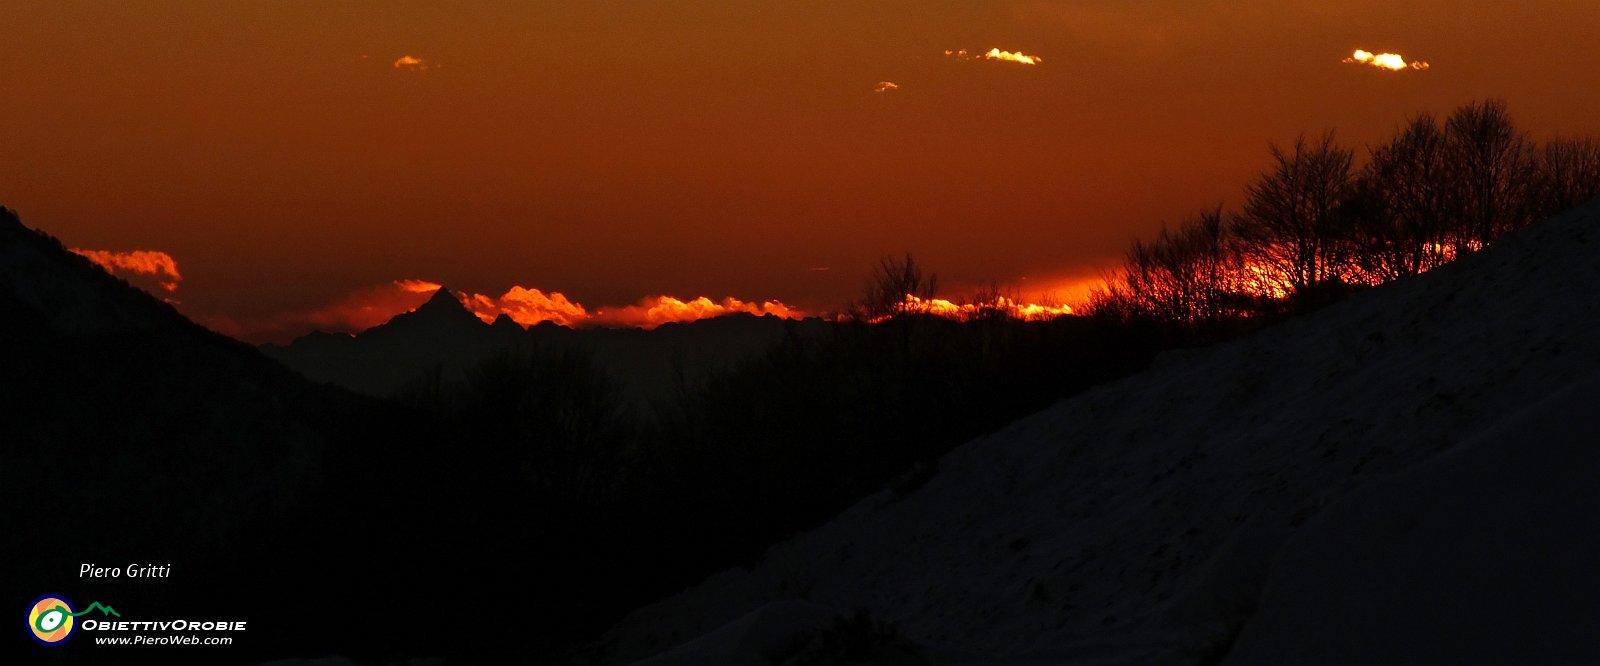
[[441, 335], [442, 306], [128, 431], [441, 338]]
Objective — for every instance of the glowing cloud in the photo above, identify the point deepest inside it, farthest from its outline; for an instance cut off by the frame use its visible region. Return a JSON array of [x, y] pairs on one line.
[[371, 306], [413, 64], [528, 307], [159, 265], [886, 86], [996, 54], [417, 286], [1393, 62], [657, 310], [998, 306]]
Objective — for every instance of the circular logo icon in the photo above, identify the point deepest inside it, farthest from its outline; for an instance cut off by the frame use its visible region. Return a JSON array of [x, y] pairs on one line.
[[50, 619]]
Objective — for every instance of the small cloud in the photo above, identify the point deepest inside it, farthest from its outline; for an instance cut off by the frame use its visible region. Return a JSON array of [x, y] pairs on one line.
[[149, 263], [886, 86], [820, 269], [997, 55], [417, 286], [1393, 62], [411, 63]]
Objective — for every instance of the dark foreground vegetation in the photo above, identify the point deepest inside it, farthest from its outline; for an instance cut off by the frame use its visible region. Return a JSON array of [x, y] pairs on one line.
[[513, 517], [1319, 225]]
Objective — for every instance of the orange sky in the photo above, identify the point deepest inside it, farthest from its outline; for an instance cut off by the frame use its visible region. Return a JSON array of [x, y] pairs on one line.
[[615, 150]]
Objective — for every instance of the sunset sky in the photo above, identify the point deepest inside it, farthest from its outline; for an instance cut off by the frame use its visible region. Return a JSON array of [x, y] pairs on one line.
[[291, 157]]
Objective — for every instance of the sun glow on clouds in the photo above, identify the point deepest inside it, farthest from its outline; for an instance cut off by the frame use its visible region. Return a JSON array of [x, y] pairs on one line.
[[371, 306], [886, 87], [657, 310], [1393, 62], [1000, 305], [998, 55], [417, 286], [412, 63], [158, 265], [532, 306], [528, 307]]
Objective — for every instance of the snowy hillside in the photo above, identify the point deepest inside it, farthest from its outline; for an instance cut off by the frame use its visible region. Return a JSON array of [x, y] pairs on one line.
[[1409, 476]]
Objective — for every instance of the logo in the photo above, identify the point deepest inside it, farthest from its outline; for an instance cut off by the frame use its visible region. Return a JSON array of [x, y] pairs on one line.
[[50, 618]]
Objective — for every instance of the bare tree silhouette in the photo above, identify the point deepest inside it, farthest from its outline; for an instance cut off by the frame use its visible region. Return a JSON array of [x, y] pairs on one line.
[[1568, 174], [892, 281], [1400, 204], [1186, 274], [1313, 227], [1491, 174], [1290, 230]]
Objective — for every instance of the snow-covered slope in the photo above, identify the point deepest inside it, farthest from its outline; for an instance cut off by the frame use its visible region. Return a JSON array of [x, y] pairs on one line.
[[1486, 555], [1393, 479]]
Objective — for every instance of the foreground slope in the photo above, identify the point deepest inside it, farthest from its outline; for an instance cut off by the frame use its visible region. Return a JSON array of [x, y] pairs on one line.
[[130, 434], [123, 423], [1390, 479], [1484, 555]]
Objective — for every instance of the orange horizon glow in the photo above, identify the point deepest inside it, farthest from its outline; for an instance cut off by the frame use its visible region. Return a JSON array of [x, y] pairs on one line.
[[369, 307], [529, 307], [966, 311], [373, 306], [291, 154]]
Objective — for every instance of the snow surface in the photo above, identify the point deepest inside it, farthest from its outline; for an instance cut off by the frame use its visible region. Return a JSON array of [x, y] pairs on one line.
[[1406, 477]]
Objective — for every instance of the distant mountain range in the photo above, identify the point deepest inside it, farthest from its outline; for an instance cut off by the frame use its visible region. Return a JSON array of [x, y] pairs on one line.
[[442, 338]]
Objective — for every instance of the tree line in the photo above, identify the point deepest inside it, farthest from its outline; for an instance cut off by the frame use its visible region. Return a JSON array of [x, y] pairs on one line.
[[1316, 225]]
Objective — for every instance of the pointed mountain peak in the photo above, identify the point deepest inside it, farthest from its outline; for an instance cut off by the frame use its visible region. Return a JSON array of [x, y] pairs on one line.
[[505, 321], [443, 312], [442, 300]]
